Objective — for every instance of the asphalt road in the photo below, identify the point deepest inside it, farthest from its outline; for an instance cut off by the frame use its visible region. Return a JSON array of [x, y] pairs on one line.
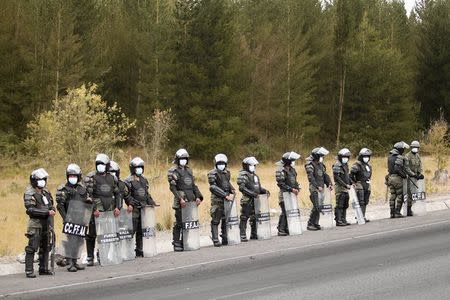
[[392, 259]]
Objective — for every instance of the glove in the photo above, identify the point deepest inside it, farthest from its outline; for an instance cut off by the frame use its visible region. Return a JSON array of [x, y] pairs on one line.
[[420, 176], [136, 203]]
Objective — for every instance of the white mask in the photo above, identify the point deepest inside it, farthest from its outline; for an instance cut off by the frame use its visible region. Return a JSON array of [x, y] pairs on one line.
[[321, 159], [293, 164], [101, 168], [183, 162], [221, 167], [251, 168], [415, 150], [366, 159], [138, 171], [345, 160], [41, 183], [73, 180]]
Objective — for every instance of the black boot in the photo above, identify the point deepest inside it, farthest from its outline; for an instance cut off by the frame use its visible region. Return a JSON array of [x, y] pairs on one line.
[[43, 264], [253, 231], [90, 247], [71, 265], [139, 253], [409, 211], [312, 227], [177, 243], [29, 265], [75, 263], [338, 217], [397, 213], [215, 235], [223, 228], [344, 217], [363, 209], [243, 230], [392, 213], [282, 226]]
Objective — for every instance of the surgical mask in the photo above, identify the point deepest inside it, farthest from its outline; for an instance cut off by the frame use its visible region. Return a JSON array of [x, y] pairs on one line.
[[345, 160], [321, 159], [366, 159], [415, 150], [138, 171], [221, 167], [183, 162], [101, 168], [73, 180], [41, 183], [251, 168], [292, 163]]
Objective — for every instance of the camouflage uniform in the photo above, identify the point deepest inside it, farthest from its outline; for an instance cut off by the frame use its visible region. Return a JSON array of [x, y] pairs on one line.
[[286, 177], [103, 189], [342, 181], [220, 187], [413, 166], [182, 185], [138, 197], [250, 187], [38, 204], [361, 173], [395, 181], [317, 177], [66, 193]]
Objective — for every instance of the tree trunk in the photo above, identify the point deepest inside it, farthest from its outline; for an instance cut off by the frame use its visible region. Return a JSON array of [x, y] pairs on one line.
[[58, 53], [341, 105], [288, 100]]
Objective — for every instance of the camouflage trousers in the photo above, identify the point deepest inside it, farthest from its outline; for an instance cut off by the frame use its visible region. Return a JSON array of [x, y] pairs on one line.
[[395, 184]]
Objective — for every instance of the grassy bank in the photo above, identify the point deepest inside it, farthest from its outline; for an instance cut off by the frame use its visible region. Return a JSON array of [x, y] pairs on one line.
[[13, 219]]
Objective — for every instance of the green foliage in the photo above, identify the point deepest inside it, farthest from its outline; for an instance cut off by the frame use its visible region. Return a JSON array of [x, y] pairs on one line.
[[78, 126]]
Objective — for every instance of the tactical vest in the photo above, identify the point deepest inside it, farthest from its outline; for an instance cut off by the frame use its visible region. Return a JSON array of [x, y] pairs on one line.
[[223, 181], [291, 177], [391, 163], [104, 190], [79, 195], [319, 172], [185, 183], [139, 190]]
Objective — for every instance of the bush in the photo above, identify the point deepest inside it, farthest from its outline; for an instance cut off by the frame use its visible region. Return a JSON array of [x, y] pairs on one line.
[[437, 143], [77, 126]]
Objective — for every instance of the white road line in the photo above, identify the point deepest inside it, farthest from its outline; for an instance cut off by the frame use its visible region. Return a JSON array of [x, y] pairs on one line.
[[222, 260], [249, 291]]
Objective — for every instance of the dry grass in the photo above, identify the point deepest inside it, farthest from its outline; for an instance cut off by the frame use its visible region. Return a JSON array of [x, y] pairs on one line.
[[13, 219]]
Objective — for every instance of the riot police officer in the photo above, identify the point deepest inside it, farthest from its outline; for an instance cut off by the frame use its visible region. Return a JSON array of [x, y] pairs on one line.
[[360, 174], [183, 187], [286, 177], [103, 190], [415, 172], [39, 207], [342, 185], [139, 197], [397, 174], [114, 170], [318, 180], [72, 190], [221, 190], [250, 187]]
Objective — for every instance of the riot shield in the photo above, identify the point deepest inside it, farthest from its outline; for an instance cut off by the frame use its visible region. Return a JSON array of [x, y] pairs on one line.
[[405, 196], [326, 209], [108, 239], [292, 213], [148, 222], [419, 198], [232, 222], [75, 227], [262, 215], [125, 232], [356, 207], [191, 230]]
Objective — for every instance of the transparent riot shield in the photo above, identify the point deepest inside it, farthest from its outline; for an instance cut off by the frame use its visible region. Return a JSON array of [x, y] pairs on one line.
[[191, 230], [148, 222], [419, 197], [108, 239], [292, 213], [405, 196], [75, 227], [326, 209], [232, 220], [125, 232], [356, 207], [262, 214]]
